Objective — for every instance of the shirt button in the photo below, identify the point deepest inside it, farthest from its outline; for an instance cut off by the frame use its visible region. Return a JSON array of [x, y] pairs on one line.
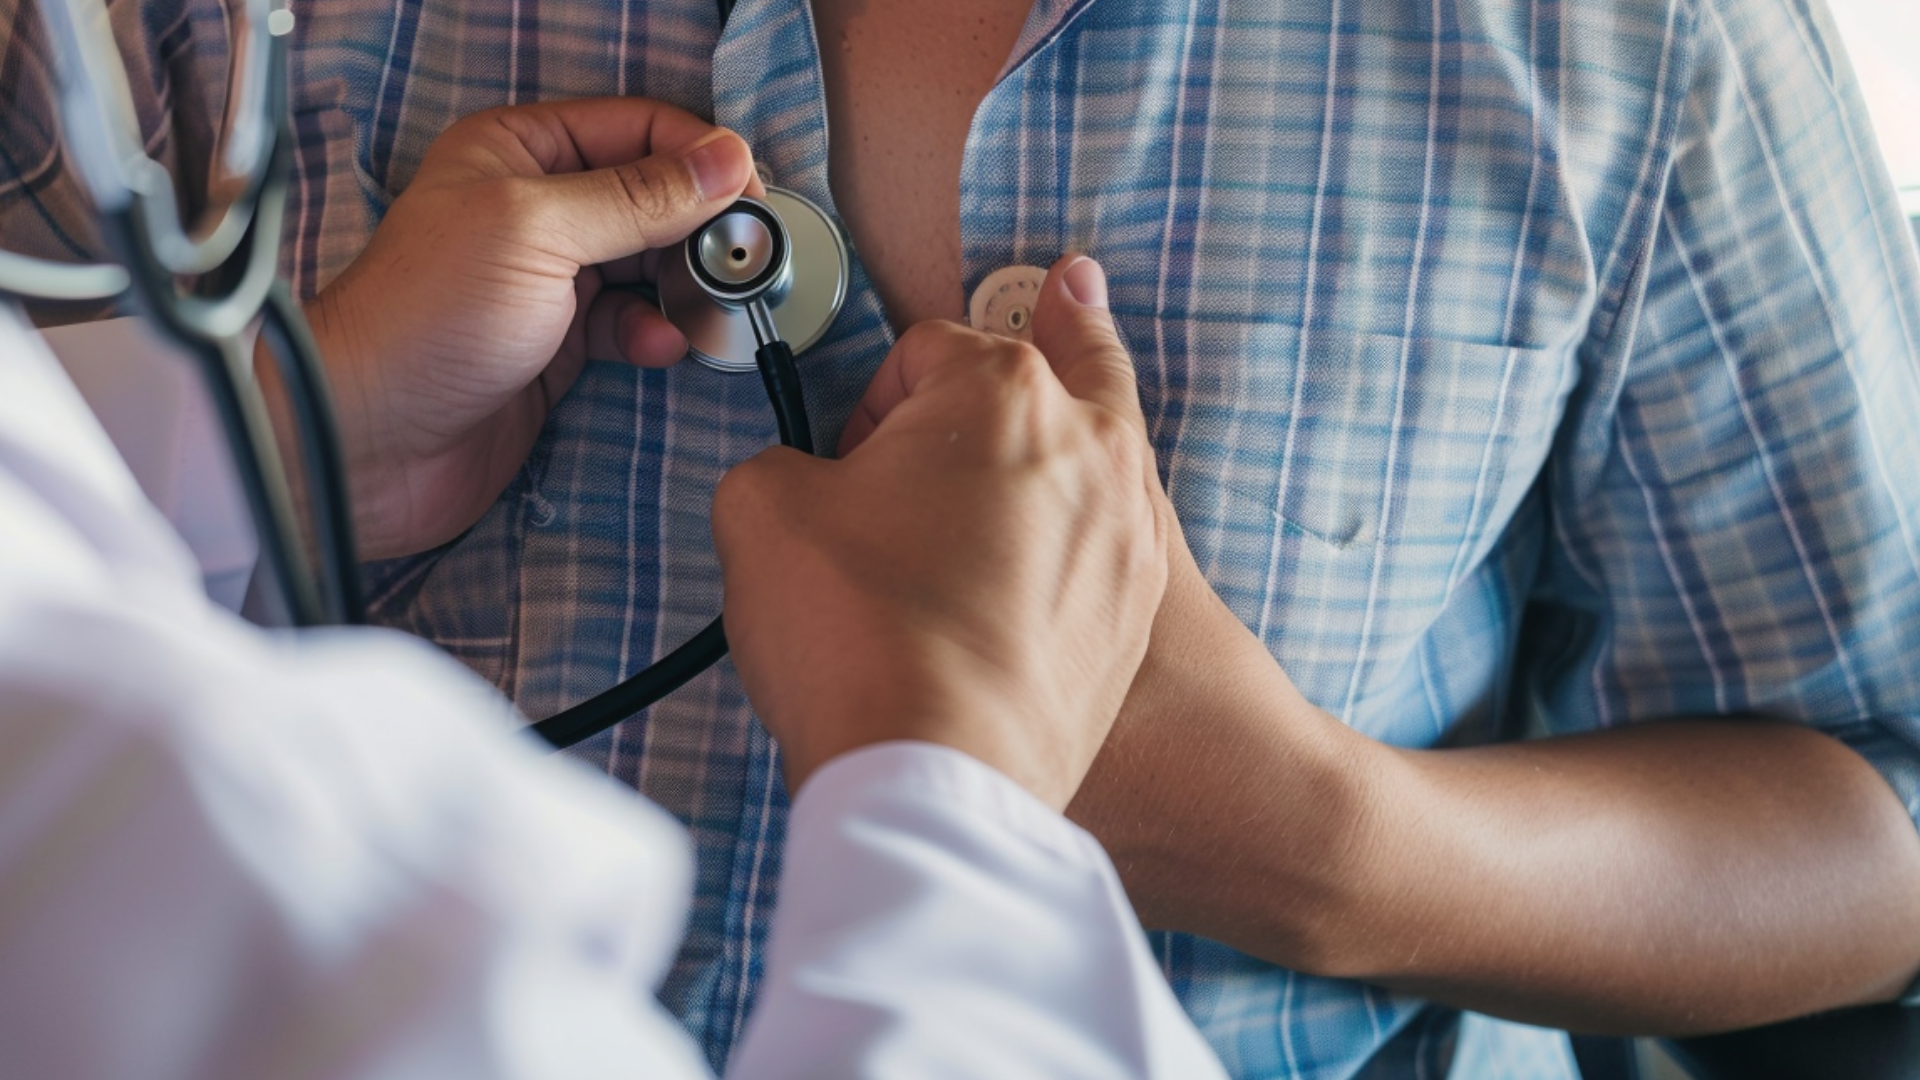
[[1003, 304]]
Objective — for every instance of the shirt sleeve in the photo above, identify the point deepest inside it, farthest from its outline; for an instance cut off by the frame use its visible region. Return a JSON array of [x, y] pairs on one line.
[[1736, 501], [938, 921]]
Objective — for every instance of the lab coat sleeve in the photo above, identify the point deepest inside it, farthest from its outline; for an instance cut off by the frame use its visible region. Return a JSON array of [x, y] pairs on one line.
[[322, 866], [228, 855], [938, 921]]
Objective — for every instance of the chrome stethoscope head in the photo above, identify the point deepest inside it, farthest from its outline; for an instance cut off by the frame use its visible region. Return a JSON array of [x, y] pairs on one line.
[[743, 258], [743, 255], [733, 271], [759, 259]]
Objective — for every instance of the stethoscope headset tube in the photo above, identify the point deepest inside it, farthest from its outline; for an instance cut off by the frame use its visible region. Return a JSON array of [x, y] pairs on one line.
[[210, 327], [204, 292]]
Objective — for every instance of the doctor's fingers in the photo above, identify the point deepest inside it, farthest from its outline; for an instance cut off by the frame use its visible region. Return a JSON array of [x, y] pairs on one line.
[[546, 138], [1073, 328], [623, 327], [609, 214], [763, 501], [943, 367]]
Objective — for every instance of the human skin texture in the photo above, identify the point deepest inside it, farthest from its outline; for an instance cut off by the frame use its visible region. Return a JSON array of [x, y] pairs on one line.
[[980, 568], [491, 282]]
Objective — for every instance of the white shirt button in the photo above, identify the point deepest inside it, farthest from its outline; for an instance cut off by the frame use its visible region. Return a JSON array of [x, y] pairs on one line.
[[1004, 302]]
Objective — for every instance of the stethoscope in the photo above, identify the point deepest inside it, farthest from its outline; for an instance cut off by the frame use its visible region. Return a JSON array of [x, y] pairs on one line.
[[757, 260], [743, 288]]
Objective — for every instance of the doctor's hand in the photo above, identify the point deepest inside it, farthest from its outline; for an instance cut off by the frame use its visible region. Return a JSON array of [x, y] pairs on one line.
[[979, 570], [492, 280]]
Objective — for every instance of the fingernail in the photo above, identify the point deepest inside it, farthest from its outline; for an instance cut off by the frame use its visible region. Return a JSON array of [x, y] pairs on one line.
[[719, 170], [1088, 283]]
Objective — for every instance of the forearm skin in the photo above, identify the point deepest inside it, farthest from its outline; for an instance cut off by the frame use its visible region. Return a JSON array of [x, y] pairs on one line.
[[1670, 878]]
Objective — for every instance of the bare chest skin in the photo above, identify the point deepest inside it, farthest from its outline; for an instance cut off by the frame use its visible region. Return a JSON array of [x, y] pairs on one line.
[[903, 79]]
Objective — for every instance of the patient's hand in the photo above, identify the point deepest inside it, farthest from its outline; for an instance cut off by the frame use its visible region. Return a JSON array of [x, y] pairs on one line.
[[488, 286], [979, 570]]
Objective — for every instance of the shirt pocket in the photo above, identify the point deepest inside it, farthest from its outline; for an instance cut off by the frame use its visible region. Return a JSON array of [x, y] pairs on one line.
[[1336, 486]]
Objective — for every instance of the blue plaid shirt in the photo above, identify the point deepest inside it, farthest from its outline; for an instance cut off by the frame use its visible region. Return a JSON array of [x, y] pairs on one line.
[[1516, 366]]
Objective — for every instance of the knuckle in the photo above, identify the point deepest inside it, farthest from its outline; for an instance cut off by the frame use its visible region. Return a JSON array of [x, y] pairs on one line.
[[1117, 438], [1023, 367], [651, 194], [766, 489], [920, 337], [467, 126], [740, 488], [737, 499], [936, 345], [489, 137], [937, 336], [491, 115]]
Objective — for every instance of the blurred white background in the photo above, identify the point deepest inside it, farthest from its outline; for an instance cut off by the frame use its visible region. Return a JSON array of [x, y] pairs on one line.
[[1883, 37]]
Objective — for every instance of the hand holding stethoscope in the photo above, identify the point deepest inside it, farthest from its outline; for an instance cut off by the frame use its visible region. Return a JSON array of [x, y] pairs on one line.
[[501, 270], [508, 263], [473, 310]]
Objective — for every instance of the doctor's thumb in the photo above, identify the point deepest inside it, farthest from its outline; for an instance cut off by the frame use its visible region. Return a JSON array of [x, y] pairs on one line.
[[1076, 332], [607, 214]]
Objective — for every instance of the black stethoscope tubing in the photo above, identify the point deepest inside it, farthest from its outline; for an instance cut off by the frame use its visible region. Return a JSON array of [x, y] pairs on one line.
[[209, 327], [705, 649]]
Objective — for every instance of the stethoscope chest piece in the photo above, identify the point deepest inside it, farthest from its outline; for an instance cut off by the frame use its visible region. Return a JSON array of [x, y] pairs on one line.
[[740, 248]]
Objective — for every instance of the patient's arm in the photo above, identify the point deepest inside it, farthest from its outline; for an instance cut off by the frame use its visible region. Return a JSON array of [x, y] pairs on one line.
[[1734, 525], [1673, 878]]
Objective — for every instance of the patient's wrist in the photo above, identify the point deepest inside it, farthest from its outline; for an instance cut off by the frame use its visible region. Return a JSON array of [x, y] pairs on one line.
[[1232, 805]]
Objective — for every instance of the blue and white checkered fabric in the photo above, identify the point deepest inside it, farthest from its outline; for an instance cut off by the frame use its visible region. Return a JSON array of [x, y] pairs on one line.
[[1596, 318], [1448, 313]]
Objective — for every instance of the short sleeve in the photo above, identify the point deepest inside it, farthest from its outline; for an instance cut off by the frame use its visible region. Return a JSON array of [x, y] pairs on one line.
[[1736, 504]]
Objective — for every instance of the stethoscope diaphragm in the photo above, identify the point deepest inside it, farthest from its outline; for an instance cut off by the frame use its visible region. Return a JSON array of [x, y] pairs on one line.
[[733, 256]]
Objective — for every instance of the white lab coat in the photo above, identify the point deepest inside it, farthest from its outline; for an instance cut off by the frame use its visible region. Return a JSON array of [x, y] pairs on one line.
[[232, 854]]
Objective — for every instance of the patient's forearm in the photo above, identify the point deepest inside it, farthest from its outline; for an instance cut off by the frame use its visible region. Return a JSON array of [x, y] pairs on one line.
[[1673, 878], [1682, 877]]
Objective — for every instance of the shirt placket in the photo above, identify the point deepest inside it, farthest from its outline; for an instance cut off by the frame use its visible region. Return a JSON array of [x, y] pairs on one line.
[[1013, 177], [768, 87]]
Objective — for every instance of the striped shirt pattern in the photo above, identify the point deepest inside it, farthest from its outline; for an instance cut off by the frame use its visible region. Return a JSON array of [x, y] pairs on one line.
[[1517, 367]]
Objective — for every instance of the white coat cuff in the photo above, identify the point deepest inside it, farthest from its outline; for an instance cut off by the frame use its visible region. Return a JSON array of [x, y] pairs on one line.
[[957, 779]]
